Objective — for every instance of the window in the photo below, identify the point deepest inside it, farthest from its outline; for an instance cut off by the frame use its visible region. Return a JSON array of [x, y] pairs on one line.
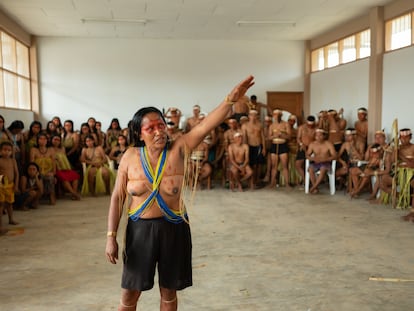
[[14, 73], [333, 55], [348, 50], [342, 51], [398, 32], [364, 42]]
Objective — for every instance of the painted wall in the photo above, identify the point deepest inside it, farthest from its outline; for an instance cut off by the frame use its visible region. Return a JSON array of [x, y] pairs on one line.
[[345, 86], [398, 89], [107, 78]]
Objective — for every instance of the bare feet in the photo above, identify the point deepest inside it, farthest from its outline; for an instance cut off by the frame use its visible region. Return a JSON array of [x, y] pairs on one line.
[[13, 222], [3, 231], [239, 186], [314, 191]]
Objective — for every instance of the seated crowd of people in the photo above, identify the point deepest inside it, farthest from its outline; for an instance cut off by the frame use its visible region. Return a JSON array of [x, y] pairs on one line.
[[41, 164], [253, 148], [249, 152]]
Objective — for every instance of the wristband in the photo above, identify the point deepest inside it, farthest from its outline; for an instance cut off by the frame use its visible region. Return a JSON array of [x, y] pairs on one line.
[[229, 101], [111, 234]]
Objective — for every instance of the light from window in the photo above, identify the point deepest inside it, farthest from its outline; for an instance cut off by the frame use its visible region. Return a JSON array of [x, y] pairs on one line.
[[333, 55], [400, 32], [365, 44], [318, 60], [348, 50], [15, 80]]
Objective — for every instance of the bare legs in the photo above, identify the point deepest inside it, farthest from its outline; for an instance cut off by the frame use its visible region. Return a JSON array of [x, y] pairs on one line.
[[129, 300]]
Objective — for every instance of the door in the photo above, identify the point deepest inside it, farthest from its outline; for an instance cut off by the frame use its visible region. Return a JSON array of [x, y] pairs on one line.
[[288, 101]]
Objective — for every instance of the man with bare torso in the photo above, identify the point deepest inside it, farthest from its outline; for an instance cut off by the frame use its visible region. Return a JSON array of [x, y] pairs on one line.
[[194, 120], [306, 135], [336, 135], [361, 127], [405, 154], [279, 133], [321, 153], [254, 137], [239, 159], [241, 108], [150, 179]]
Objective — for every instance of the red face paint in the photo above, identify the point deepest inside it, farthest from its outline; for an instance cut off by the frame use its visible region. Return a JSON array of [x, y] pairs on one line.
[[151, 126]]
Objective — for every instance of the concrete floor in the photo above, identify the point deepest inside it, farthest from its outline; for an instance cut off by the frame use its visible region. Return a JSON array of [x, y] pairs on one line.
[[261, 250]]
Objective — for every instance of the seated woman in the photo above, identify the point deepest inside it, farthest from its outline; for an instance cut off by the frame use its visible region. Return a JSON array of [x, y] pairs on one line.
[[31, 188], [44, 157], [118, 151], [64, 172], [97, 177]]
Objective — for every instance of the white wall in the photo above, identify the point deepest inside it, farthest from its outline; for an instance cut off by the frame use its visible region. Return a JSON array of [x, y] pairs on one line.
[[106, 78], [345, 86], [398, 89], [11, 115]]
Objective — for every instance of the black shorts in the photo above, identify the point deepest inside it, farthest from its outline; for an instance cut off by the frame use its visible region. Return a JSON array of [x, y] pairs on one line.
[[152, 242], [300, 155], [255, 155], [279, 148]]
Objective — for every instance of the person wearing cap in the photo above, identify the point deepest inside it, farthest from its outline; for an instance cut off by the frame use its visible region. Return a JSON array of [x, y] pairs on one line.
[[254, 137], [321, 153], [279, 133], [306, 135], [361, 127], [348, 159], [240, 169], [194, 120]]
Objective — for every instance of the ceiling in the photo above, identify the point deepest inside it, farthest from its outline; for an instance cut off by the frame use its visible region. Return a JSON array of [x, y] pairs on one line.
[[186, 19]]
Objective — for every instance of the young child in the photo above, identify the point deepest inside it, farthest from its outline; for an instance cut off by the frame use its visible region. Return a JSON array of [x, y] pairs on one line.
[[31, 186], [9, 181]]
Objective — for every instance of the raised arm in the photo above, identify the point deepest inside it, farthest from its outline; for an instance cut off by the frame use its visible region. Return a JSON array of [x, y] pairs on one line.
[[218, 115]]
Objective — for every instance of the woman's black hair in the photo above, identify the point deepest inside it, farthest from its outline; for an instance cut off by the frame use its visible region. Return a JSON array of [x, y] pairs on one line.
[[135, 127], [16, 125]]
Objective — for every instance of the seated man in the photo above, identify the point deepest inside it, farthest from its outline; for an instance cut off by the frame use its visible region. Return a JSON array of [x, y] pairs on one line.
[[403, 172], [239, 159], [321, 153], [362, 175], [348, 158]]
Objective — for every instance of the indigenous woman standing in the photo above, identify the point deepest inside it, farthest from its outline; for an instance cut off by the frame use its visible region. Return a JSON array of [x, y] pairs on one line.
[[150, 179]]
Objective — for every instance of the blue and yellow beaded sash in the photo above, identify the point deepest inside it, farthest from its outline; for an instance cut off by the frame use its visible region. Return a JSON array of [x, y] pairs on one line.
[[155, 178]]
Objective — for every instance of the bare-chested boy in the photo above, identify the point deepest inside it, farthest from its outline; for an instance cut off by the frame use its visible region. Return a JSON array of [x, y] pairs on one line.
[[279, 133], [361, 127], [254, 137], [321, 153], [306, 135], [9, 182], [239, 159]]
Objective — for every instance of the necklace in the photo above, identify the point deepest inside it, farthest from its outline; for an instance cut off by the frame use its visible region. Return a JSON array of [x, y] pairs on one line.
[[42, 151]]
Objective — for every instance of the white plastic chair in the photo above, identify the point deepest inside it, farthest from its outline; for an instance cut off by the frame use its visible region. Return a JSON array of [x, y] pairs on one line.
[[330, 173]]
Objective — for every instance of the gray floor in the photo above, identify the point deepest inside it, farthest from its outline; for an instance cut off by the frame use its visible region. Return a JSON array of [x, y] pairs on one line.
[[261, 250]]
